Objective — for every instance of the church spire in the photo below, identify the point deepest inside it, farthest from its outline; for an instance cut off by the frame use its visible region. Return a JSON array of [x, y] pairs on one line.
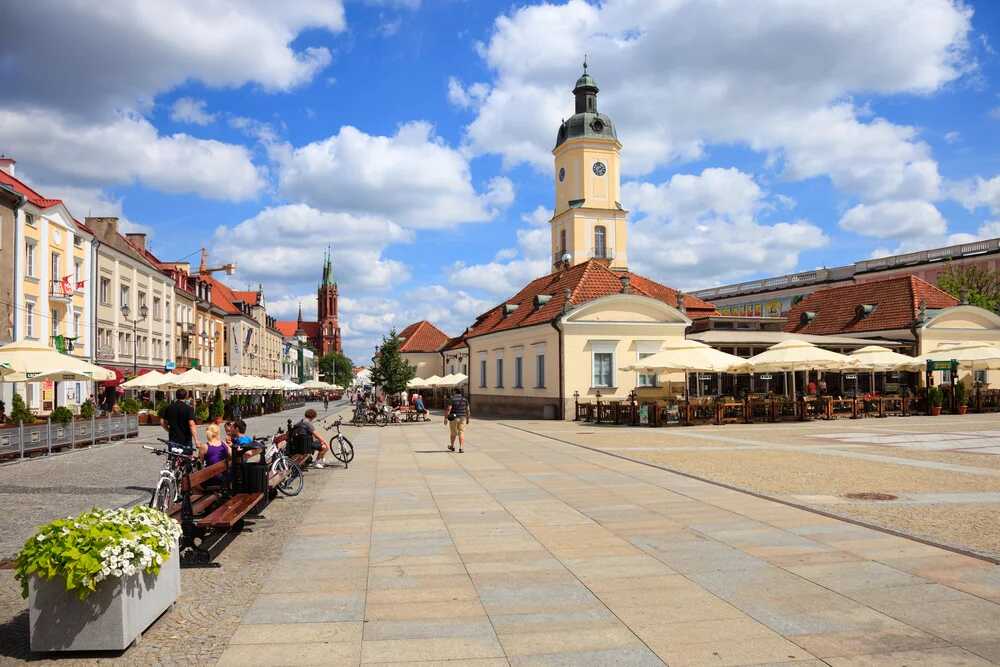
[[327, 268]]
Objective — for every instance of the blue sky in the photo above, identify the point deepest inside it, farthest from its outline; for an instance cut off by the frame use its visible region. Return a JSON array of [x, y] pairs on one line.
[[414, 136]]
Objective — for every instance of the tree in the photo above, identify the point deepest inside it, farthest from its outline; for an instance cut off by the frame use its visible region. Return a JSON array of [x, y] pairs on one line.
[[980, 284], [336, 369], [389, 369]]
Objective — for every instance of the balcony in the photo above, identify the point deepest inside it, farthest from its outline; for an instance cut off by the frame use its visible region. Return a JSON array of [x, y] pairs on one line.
[[58, 294], [602, 252]]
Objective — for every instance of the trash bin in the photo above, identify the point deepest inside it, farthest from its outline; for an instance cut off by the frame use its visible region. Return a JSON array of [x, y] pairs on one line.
[[254, 480]]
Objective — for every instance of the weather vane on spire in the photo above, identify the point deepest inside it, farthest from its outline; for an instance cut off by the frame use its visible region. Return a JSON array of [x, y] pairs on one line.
[[585, 62]]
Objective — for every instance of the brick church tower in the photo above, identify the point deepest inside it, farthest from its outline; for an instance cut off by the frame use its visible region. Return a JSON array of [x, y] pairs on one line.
[[329, 324]]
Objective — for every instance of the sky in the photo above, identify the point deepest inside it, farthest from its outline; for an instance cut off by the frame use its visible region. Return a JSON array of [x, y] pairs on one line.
[[414, 137]]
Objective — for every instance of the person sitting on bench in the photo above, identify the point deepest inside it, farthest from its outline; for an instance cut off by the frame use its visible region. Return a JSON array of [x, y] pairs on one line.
[[214, 450], [313, 441]]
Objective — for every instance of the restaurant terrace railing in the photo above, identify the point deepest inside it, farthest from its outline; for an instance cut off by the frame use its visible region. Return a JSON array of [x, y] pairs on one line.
[[23, 440]]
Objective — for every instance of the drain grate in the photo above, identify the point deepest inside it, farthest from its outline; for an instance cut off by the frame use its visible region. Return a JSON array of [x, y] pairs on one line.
[[870, 495]]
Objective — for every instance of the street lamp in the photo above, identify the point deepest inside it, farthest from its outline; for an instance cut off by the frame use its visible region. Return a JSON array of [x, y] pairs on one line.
[[143, 312]]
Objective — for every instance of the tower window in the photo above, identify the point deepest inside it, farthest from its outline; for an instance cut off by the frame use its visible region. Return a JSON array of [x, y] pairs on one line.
[[600, 242], [562, 241]]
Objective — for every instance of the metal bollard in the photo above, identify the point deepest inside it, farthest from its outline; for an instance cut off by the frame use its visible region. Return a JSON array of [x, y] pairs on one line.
[[93, 429], [48, 433], [72, 432], [20, 433]]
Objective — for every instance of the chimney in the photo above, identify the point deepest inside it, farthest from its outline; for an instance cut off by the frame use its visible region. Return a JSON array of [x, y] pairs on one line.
[[103, 226], [138, 240], [626, 282], [7, 164]]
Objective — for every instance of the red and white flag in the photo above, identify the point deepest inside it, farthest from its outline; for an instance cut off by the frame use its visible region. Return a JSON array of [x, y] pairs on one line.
[[67, 286]]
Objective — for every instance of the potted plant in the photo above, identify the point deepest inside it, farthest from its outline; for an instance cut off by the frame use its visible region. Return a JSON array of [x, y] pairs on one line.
[[130, 406], [61, 415], [935, 399], [19, 412], [97, 581], [962, 398], [87, 409]]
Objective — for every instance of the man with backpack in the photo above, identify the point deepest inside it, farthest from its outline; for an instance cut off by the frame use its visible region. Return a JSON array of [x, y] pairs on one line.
[[314, 442], [457, 417]]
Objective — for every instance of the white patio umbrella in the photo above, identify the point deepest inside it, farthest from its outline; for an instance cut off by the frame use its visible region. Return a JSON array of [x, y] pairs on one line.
[[29, 361], [433, 381], [148, 380], [288, 385], [797, 355], [689, 356], [452, 380], [416, 383], [195, 379], [877, 358], [980, 356], [316, 385]]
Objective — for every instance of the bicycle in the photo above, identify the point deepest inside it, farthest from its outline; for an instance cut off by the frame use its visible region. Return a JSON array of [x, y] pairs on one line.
[[292, 479], [370, 414], [168, 487], [345, 452]]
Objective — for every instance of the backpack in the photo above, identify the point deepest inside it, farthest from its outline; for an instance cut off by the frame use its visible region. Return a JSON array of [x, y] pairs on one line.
[[298, 439]]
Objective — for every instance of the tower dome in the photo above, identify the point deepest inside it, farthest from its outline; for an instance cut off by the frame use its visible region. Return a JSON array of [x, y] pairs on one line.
[[586, 122]]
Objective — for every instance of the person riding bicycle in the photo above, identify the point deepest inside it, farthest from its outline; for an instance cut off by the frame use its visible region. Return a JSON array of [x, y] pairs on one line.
[[314, 441], [178, 420]]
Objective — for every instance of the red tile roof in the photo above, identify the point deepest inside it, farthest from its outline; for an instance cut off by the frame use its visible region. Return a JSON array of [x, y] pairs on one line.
[[32, 195], [455, 343], [289, 328], [896, 300], [250, 297], [585, 282], [222, 296], [422, 336]]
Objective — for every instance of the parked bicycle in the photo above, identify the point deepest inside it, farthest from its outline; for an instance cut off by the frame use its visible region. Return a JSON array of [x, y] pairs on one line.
[[340, 447], [177, 464], [369, 413], [292, 479]]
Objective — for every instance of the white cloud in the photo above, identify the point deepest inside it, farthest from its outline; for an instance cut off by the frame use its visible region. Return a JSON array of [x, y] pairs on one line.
[[995, 113], [283, 246], [126, 149], [116, 54], [990, 230], [465, 98], [953, 137], [895, 220], [978, 193], [770, 75], [412, 177], [704, 228], [190, 110]]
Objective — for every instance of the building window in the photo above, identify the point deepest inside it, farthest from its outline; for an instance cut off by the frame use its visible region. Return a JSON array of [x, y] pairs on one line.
[[77, 240], [600, 241], [55, 324], [56, 267], [482, 373], [29, 319], [540, 371], [156, 308], [29, 259], [646, 379], [519, 372], [142, 299], [77, 272], [105, 291], [603, 363], [29, 219], [499, 372], [76, 324], [123, 296]]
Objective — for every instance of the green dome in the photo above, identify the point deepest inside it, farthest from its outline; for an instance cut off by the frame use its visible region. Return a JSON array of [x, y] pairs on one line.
[[585, 81]]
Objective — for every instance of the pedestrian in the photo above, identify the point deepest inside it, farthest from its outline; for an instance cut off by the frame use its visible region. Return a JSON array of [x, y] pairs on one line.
[[178, 420], [418, 405], [457, 418], [326, 402], [314, 442]]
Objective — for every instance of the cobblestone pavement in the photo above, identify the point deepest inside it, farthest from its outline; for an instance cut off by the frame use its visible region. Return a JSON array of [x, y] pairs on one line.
[[529, 551], [212, 601], [108, 475], [944, 471]]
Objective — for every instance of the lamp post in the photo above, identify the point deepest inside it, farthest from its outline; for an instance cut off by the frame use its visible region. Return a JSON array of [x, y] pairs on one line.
[[143, 312], [576, 406]]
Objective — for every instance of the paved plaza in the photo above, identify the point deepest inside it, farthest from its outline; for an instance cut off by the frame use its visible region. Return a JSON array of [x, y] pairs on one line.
[[527, 550]]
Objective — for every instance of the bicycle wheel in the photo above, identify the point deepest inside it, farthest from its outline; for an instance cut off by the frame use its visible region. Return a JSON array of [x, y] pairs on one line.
[[381, 418], [358, 419], [347, 448], [163, 495], [293, 482]]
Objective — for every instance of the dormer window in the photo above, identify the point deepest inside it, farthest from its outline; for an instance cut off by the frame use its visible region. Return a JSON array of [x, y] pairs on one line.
[[807, 317], [509, 308], [864, 310]]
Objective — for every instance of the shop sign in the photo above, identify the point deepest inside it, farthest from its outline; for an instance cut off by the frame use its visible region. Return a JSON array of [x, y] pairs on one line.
[[766, 376], [942, 366], [170, 365], [851, 377]]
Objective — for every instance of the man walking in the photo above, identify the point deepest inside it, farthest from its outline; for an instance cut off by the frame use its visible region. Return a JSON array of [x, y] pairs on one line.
[[457, 417], [178, 420]]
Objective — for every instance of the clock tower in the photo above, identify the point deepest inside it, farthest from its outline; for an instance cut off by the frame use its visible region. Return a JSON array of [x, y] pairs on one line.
[[589, 222]]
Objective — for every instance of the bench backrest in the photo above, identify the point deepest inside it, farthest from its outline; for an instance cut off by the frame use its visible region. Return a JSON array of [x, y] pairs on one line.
[[199, 477]]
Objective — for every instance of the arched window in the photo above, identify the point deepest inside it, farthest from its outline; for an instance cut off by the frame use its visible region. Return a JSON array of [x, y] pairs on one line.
[[600, 241]]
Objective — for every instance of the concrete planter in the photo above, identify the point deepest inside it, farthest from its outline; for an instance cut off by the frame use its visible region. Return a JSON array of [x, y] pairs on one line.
[[110, 619]]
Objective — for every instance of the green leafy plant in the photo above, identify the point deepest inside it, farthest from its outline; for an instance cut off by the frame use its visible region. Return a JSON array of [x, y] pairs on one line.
[[161, 408], [935, 397], [130, 406], [61, 415], [88, 409], [97, 545], [961, 394], [19, 412], [218, 407], [201, 413]]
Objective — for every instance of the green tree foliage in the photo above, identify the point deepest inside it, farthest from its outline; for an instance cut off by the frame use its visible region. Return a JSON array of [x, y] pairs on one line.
[[61, 415], [130, 406], [19, 412], [88, 409], [336, 369], [389, 370], [982, 284]]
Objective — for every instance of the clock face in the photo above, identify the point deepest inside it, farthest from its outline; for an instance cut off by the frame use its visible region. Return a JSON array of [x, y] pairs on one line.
[[600, 169], [562, 174]]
